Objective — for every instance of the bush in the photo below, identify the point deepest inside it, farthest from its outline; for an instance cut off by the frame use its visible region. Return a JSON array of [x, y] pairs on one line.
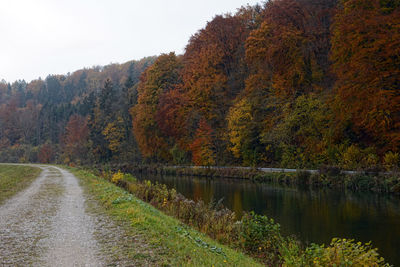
[[352, 157], [117, 177], [343, 252], [391, 161], [356, 158], [254, 234], [261, 236]]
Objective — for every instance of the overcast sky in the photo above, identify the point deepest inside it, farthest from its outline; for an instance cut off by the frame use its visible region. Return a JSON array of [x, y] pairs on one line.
[[41, 37]]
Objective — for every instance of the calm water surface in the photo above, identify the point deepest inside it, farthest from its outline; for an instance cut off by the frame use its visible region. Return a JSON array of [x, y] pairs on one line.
[[312, 215]]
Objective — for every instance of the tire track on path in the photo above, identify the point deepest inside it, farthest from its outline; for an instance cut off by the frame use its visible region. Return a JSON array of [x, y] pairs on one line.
[[71, 241], [46, 224]]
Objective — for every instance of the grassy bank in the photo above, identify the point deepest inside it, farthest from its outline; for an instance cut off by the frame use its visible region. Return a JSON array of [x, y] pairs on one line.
[[15, 178], [254, 235], [326, 177], [174, 243]]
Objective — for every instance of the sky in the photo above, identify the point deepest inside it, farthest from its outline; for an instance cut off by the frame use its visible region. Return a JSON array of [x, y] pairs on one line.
[[42, 37]]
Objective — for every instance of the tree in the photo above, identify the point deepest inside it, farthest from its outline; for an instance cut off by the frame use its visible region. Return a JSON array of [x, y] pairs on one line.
[[114, 134], [172, 115], [211, 74], [203, 151], [240, 131], [281, 53], [9, 121], [214, 73], [100, 115], [46, 154], [107, 101], [27, 122], [301, 137], [157, 80], [366, 55], [76, 139]]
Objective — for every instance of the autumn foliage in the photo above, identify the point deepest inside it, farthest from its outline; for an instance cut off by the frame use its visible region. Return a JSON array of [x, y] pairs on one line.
[[366, 55], [202, 146], [156, 81], [289, 83], [46, 154]]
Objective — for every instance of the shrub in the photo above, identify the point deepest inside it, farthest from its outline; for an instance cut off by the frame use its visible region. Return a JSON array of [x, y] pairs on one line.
[[292, 253], [343, 252], [256, 235], [352, 157], [117, 177], [261, 236], [371, 160], [391, 161]]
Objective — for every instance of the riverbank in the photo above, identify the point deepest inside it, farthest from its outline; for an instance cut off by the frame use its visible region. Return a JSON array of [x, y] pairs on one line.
[[174, 243], [255, 235], [325, 177], [14, 179]]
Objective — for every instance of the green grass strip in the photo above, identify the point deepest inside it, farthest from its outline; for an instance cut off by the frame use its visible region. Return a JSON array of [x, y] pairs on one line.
[[14, 178], [174, 243]]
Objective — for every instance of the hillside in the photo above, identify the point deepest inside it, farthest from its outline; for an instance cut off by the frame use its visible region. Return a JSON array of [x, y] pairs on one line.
[[289, 83], [38, 118]]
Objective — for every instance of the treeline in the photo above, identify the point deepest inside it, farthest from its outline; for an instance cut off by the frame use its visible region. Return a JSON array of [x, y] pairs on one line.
[[71, 118], [289, 83]]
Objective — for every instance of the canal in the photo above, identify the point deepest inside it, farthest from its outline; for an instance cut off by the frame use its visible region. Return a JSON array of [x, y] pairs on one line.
[[314, 216]]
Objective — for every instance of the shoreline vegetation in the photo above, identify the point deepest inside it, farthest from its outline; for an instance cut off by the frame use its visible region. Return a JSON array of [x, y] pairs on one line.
[[255, 235], [172, 243], [326, 177]]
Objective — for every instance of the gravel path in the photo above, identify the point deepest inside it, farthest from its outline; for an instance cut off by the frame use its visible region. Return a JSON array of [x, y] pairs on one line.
[[46, 225]]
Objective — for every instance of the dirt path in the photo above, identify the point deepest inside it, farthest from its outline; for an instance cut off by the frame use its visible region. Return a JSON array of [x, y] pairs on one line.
[[46, 224]]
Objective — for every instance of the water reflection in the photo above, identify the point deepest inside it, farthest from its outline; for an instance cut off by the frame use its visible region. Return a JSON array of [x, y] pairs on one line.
[[312, 215]]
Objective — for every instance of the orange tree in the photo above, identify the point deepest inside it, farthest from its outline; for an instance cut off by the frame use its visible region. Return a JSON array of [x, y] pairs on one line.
[[366, 56]]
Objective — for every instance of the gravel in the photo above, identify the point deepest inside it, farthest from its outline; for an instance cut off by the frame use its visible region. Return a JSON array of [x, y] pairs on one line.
[[55, 222], [46, 224], [71, 242]]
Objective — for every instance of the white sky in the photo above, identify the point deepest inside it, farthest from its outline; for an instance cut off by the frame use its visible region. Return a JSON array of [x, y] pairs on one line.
[[41, 37]]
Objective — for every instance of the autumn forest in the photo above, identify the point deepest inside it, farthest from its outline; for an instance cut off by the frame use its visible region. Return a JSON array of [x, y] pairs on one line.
[[287, 83]]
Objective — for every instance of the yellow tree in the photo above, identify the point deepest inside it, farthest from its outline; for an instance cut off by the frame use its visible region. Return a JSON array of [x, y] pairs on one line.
[[240, 122], [114, 134]]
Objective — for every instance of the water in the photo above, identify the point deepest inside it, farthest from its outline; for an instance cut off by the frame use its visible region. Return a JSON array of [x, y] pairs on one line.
[[314, 216]]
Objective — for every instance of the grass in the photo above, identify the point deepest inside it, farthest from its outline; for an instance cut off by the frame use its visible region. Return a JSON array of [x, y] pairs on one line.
[[173, 243], [14, 178], [255, 235]]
